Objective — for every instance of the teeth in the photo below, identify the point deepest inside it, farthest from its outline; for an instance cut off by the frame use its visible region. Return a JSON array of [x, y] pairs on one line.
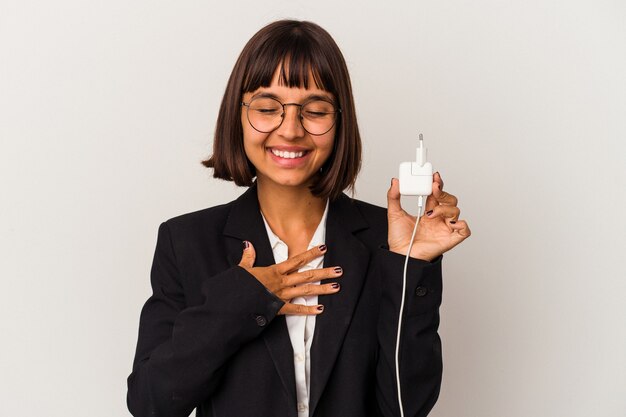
[[288, 155]]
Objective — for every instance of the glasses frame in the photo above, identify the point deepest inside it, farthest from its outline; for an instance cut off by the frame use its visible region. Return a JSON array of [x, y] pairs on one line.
[[337, 110]]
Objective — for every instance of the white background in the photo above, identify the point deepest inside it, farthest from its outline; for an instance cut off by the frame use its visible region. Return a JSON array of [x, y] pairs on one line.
[[107, 108]]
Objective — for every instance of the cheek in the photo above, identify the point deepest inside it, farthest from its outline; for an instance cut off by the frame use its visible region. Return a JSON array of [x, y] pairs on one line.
[[250, 147], [327, 142], [251, 138]]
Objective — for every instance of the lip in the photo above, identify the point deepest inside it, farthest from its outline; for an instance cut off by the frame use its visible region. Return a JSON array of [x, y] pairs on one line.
[[289, 162]]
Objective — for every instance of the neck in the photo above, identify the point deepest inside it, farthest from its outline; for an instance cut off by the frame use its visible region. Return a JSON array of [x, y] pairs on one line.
[[288, 208]]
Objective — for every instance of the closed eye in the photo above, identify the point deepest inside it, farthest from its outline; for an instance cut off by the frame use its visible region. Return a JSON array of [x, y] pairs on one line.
[[316, 113], [266, 111]]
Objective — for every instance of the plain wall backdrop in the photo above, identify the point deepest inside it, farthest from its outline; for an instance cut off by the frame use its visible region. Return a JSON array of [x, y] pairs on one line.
[[107, 109]]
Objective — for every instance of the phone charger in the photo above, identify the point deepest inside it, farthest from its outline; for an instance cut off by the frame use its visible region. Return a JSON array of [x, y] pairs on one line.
[[416, 179]]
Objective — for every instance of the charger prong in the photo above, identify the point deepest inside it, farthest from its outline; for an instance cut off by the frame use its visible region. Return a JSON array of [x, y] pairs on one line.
[[420, 157]]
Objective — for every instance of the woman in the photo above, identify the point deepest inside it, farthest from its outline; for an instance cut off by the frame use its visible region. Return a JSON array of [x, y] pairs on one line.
[[285, 301]]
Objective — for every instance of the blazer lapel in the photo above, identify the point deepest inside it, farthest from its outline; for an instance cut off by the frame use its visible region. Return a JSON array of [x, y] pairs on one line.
[[245, 223], [344, 250]]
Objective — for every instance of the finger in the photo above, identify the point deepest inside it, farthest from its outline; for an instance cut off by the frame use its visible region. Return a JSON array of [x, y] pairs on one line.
[[249, 255], [431, 201], [447, 212], [461, 228], [298, 261], [443, 197], [437, 178], [393, 197], [308, 290], [313, 275], [301, 310]]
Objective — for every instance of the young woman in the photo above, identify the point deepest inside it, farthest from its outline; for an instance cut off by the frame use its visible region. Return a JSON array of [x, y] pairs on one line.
[[285, 302]]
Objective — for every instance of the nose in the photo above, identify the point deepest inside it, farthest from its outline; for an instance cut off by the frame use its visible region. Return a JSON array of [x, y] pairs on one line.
[[291, 126]]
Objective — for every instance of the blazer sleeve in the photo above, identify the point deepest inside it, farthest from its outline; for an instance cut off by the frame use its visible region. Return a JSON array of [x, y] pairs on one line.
[[420, 345], [181, 351]]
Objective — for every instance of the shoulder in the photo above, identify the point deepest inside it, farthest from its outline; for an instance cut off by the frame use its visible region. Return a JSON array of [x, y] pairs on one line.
[[371, 213], [368, 221], [369, 210], [207, 220]]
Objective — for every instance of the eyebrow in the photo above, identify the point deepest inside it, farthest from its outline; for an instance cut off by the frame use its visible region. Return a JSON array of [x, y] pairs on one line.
[[306, 98]]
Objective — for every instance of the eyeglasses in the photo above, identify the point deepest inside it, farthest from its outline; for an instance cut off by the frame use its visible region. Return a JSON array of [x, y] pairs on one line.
[[266, 114]]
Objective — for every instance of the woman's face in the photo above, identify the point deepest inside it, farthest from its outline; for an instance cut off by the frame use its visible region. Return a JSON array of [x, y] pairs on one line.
[[272, 153]]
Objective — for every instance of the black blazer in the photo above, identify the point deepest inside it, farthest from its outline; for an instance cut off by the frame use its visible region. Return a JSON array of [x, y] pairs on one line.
[[210, 337]]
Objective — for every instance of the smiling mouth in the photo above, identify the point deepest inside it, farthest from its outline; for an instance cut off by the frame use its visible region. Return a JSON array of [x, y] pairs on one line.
[[287, 154]]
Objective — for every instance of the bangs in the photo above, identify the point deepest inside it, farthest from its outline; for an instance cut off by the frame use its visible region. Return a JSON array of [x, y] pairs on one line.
[[297, 57]]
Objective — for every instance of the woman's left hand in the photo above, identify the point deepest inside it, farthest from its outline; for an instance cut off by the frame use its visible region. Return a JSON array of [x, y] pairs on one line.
[[438, 232]]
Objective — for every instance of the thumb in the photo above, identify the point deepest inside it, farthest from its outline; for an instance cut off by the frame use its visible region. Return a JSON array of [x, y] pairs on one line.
[[249, 255], [393, 198]]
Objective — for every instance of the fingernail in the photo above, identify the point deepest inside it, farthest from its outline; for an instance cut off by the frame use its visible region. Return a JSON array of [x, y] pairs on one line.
[[322, 248], [246, 244], [429, 212], [320, 308], [335, 285], [452, 222], [338, 270]]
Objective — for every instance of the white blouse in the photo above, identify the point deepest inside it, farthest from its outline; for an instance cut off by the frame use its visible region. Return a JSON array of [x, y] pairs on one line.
[[301, 328]]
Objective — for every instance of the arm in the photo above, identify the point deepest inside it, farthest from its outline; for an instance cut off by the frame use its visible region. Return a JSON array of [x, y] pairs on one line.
[[181, 351], [420, 346]]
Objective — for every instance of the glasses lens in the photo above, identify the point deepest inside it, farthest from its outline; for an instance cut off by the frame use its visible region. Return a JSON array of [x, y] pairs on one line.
[[318, 117], [264, 114]]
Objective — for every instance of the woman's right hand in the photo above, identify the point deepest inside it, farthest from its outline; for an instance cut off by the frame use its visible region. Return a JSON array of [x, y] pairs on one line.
[[284, 280]]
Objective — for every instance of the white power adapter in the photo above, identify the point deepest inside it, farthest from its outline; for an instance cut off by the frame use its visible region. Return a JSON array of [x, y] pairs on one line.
[[416, 178]]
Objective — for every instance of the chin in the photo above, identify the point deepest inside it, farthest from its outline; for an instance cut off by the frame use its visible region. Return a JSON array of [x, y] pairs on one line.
[[292, 182], [289, 180]]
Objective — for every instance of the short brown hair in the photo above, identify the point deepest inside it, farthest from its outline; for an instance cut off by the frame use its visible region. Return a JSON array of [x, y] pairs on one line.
[[308, 49]]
